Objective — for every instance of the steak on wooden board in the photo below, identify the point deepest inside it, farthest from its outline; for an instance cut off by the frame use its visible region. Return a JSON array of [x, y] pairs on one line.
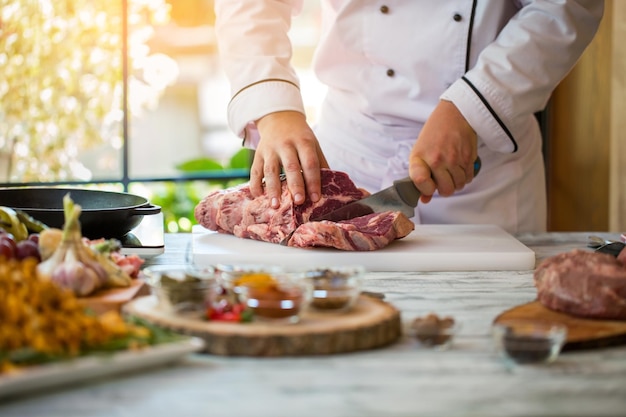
[[235, 211], [584, 284]]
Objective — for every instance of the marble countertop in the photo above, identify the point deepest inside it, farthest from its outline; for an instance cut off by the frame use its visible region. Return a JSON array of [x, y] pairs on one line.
[[404, 379]]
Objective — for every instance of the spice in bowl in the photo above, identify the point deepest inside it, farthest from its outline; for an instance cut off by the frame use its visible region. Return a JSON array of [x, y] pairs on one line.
[[273, 298], [335, 289], [529, 341], [227, 302], [434, 331], [180, 289], [231, 276]]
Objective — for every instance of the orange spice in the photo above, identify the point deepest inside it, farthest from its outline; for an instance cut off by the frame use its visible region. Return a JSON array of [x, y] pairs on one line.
[[255, 280]]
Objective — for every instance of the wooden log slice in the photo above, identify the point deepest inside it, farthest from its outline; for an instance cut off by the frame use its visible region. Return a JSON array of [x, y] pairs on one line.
[[114, 298], [582, 333], [372, 323]]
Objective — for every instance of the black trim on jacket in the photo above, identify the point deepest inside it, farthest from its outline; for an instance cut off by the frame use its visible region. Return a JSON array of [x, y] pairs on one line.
[[480, 96], [492, 111], [469, 36]]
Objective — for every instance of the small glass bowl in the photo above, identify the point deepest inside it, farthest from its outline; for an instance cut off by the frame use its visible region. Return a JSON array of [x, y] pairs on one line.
[[432, 331], [335, 289], [280, 301], [529, 341], [181, 289]]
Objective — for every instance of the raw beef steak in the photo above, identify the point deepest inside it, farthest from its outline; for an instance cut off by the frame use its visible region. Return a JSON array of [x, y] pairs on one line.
[[370, 232], [584, 284], [621, 257], [235, 211]]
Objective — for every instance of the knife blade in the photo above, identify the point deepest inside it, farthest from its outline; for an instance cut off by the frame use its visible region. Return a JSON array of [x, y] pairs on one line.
[[402, 196]]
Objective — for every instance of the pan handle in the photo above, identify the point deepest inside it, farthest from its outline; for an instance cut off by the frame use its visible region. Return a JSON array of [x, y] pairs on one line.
[[146, 210]]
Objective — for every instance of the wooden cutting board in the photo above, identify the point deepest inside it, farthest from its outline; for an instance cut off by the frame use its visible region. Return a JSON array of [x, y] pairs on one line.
[[427, 248], [581, 333], [115, 298], [372, 323]]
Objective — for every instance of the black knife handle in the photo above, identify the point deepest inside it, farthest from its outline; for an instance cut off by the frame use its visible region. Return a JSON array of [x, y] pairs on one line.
[[409, 193], [613, 248]]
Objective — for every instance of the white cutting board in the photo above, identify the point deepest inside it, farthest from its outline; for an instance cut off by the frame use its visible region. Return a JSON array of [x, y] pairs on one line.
[[427, 248]]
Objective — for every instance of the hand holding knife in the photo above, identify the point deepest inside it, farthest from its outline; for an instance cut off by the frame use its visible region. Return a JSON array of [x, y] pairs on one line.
[[402, 196]]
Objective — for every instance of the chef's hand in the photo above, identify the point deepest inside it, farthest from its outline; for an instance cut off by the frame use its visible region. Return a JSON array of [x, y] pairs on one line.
[[443, 156], [287, 143]]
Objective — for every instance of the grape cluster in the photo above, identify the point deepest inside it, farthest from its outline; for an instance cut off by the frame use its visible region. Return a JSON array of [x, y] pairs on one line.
[[12, 249]]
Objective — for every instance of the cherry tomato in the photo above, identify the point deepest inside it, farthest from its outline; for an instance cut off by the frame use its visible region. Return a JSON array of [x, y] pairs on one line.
[[229, 312]]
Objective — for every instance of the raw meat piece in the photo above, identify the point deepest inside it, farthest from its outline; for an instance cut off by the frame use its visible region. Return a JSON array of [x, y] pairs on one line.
[[584, 284], [622, 256], [235, 211], [370, 232]]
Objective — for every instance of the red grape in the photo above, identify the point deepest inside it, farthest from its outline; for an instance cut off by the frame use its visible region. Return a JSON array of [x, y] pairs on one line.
[[9, 239], [6, 249], [27, 248], [34, 237]]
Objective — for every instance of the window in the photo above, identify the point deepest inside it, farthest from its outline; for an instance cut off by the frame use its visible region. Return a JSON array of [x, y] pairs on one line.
[[125, 95]]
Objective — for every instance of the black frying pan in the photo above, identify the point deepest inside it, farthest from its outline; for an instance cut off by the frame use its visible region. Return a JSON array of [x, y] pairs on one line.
[[104, 213]]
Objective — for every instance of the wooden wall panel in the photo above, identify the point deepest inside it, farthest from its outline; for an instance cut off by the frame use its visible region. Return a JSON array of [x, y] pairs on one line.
[[617, 196], [579, 141]]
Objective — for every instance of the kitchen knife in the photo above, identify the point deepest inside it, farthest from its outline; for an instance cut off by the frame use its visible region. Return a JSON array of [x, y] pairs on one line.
[[612, 248], [402, 196]]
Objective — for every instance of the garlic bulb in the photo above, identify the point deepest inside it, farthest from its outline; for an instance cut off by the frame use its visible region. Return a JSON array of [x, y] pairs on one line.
[[74, 265]]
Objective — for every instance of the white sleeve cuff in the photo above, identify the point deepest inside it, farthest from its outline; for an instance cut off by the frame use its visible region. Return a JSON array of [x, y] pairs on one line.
[[481, 116], [258, 100]]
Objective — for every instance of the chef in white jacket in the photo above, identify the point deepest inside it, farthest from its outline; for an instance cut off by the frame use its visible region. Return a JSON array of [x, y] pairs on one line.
[[415, 87]]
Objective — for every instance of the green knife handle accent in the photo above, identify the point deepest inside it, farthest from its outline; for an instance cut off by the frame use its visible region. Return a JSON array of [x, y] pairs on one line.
[[409, 193], [477, 164]]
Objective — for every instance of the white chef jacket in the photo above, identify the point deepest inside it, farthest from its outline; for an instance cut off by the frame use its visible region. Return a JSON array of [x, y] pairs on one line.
[[387, 63]]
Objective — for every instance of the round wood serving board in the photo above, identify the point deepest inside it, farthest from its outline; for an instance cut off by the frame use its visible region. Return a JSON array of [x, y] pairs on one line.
[[114, 298], [372, 323], [581, 333]]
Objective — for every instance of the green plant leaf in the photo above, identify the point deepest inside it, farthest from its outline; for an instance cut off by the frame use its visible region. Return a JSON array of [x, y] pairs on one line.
[[200, 164], [241, 159]]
